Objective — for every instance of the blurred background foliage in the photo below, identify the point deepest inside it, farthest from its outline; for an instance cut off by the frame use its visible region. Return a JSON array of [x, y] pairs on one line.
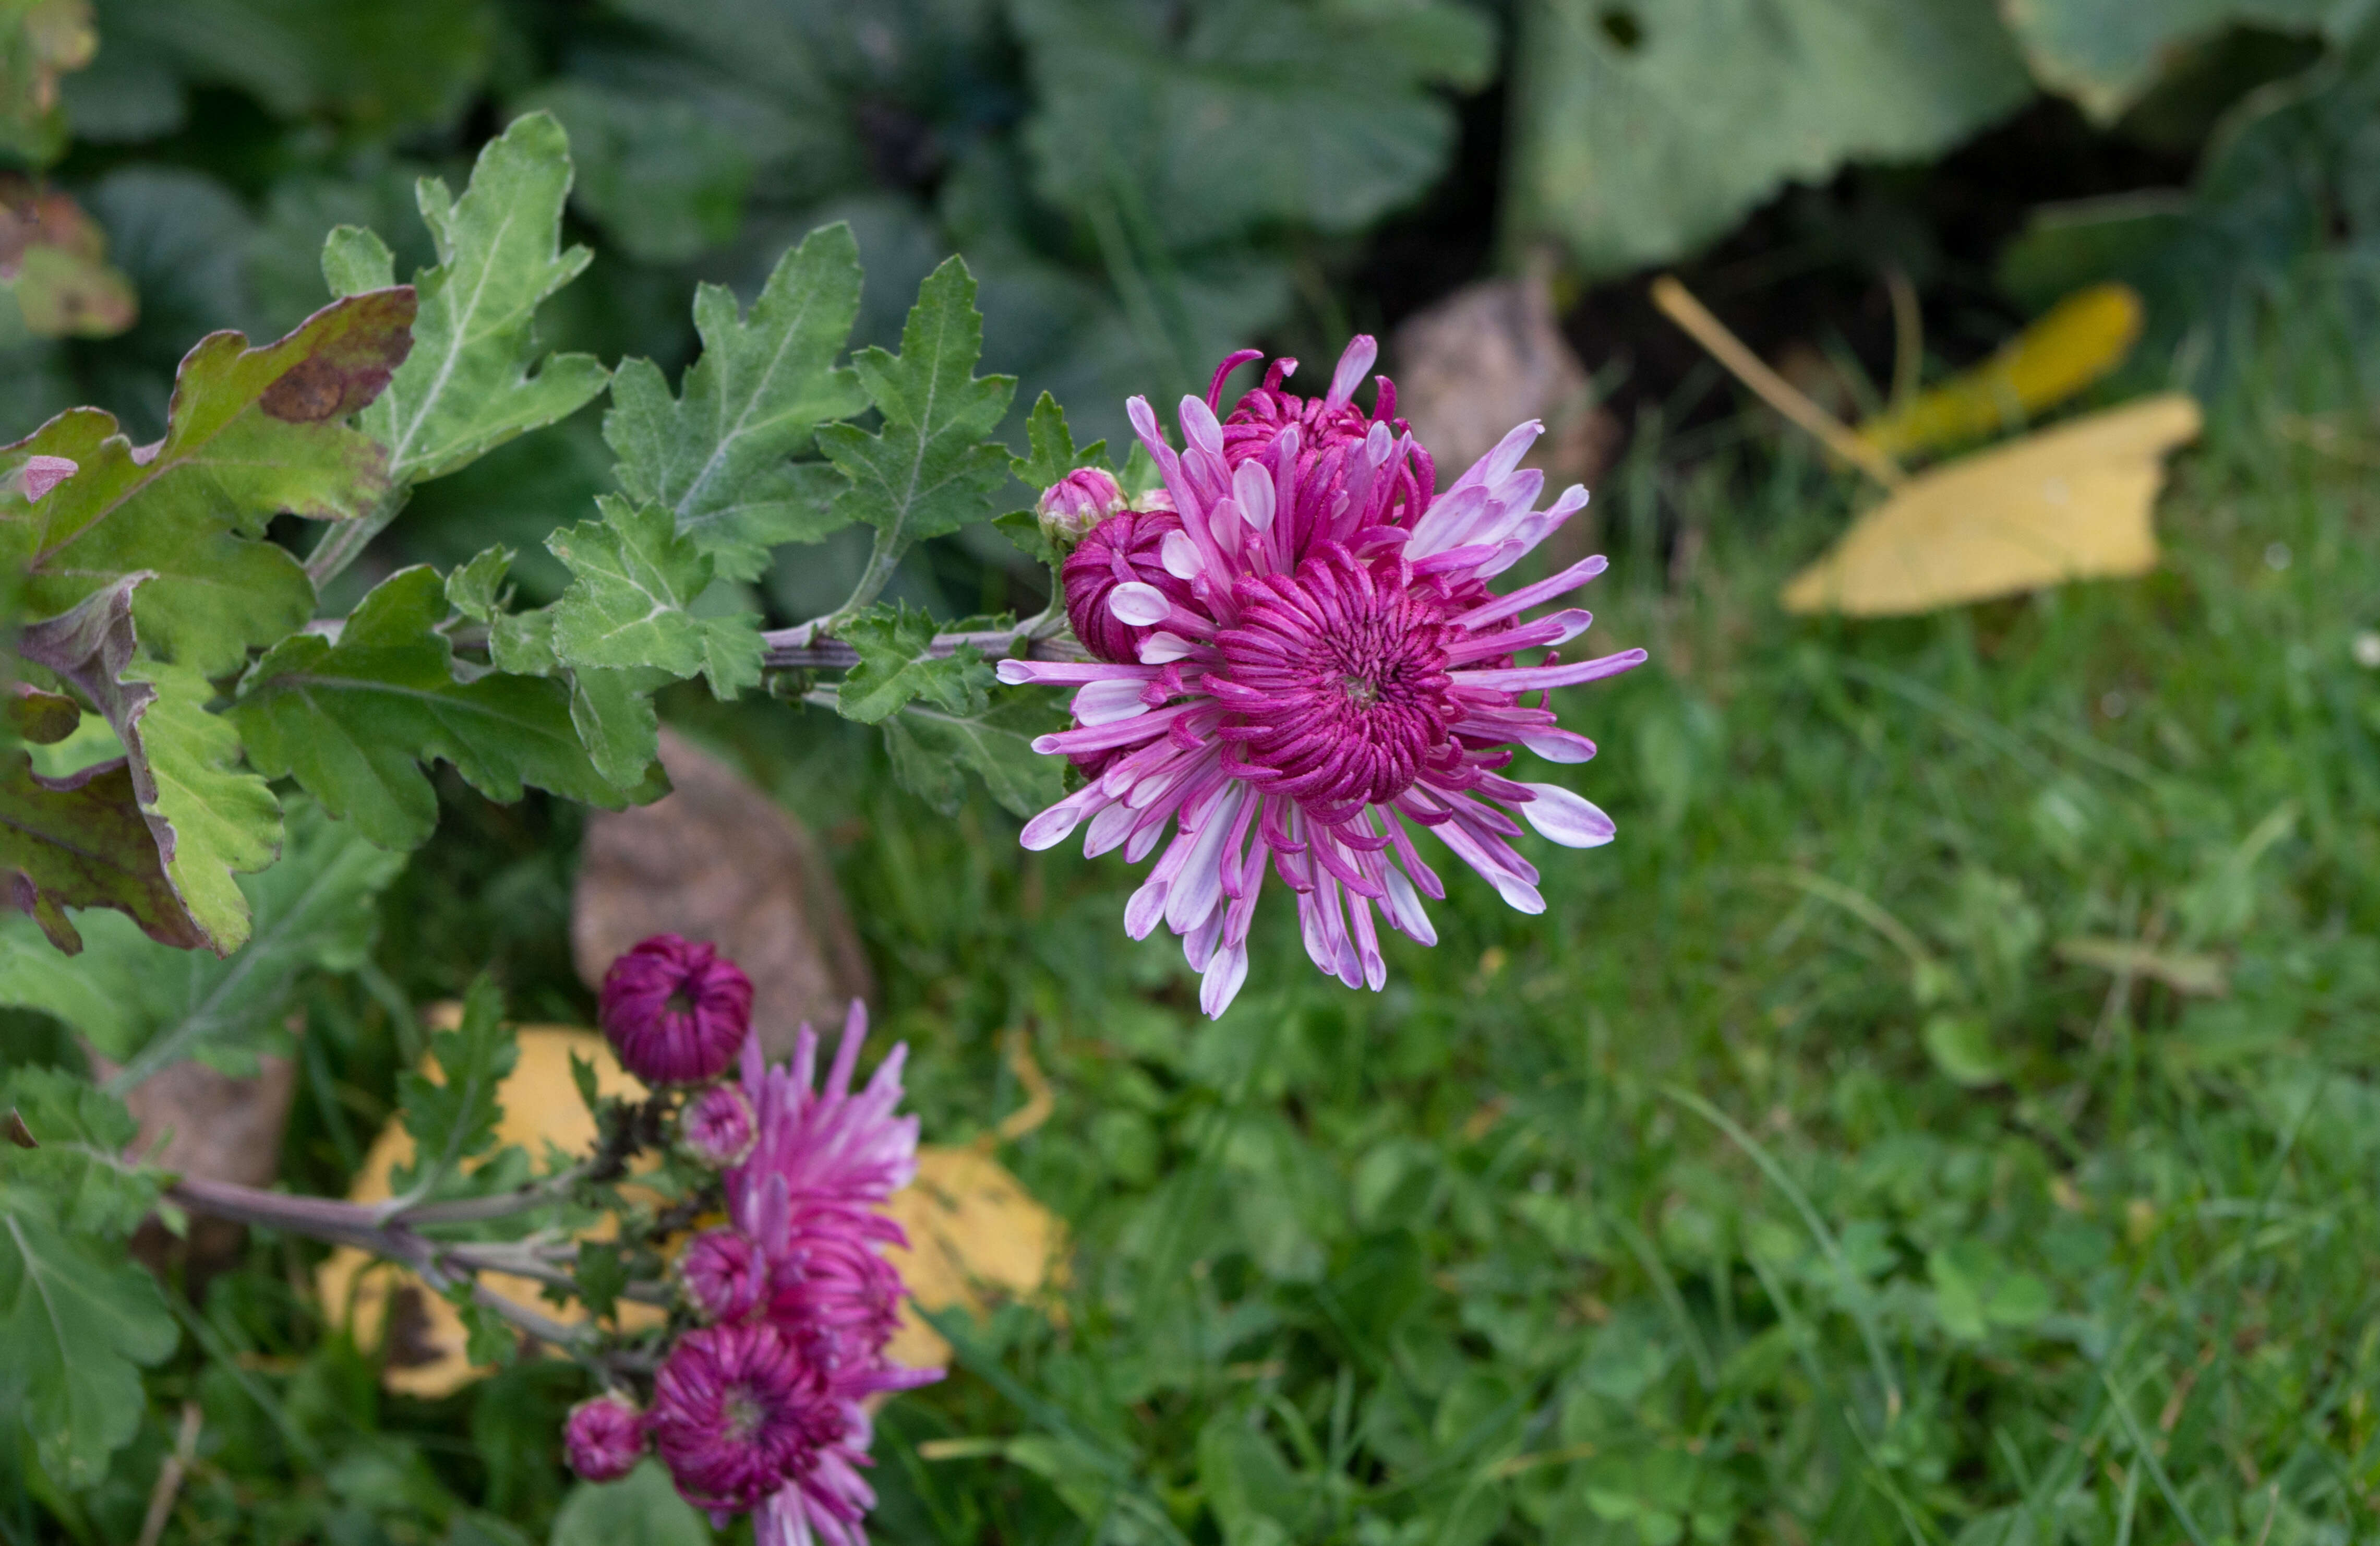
[[1946, 1115], [1143, 184]]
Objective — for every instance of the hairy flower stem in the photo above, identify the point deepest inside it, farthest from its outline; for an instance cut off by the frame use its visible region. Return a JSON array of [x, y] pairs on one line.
[[807, 648], [440, 1263], [345, 543]]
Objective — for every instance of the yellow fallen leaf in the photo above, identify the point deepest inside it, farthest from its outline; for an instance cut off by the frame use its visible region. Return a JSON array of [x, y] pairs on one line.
[[2068, 502], [2074, 344], [974, 1232]]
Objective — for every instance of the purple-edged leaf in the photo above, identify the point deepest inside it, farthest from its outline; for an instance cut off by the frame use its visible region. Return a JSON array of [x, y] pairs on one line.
[[202, 814], [250, 433]]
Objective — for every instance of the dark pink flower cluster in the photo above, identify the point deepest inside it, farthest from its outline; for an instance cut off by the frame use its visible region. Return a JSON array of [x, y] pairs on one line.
[[759, 1408]]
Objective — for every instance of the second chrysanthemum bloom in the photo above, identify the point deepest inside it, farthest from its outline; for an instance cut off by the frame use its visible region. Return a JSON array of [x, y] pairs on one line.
[[1301, 665]]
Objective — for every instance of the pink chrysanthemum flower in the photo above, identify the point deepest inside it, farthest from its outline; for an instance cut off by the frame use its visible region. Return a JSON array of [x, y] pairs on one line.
[[675, 1011], [1319, 671], [739, 1415], [825, 1146], [724, 1274], [718, 1127], [603, 1437]]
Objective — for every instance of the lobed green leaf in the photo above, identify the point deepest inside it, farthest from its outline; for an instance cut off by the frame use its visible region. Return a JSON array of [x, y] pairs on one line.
[[206, 816], [715, 457], [634, 579], [77, 1322], [147, 1004], [452, 1118], [930, 470], [355, 722], [250, 433], [81, 1133], [467, 387], [894, 667], [933, 749]]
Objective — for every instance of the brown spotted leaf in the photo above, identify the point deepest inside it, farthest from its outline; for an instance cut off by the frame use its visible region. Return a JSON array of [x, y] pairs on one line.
[[81, 842], [251, 433]]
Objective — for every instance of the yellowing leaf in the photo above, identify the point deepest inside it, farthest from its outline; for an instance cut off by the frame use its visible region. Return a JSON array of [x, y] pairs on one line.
[[975, 1234], [425, 1346], [2069, 503], [2068, 347]]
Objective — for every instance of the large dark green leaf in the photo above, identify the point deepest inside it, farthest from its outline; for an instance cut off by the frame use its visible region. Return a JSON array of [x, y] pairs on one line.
[[77, 1321], [1643, 131], [1236, 114], [2105, 54]]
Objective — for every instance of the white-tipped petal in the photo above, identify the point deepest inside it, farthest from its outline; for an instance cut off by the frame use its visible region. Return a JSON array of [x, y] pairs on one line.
[[1353, 365], [1252, 488], [1567, 818], [1556, 746], [1139, 603], [1049, 829], [1159, 648], [1404, 909], [1518, 894], [1108, 702], [1199, 426], [1108, 828], [1144, 840], [1224, 975], [1180, 556], [1199, 887], [1147, 906]]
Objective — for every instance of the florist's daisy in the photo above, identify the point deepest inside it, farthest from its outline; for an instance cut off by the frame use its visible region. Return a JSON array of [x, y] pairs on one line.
[[1301, 666]]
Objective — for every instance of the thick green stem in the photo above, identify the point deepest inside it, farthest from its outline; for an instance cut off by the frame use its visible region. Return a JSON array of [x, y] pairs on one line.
[[345, 542]]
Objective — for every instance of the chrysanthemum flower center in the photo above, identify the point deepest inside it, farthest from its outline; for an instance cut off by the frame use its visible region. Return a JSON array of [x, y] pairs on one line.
[[1337, 678], [741, 1415]]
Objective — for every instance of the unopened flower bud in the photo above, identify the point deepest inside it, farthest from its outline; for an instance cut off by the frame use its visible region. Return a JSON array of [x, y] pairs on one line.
[[1126, 549], [717, 1127], [1075, 504], [676, 1011], [605, 1437], [724, 1275]]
